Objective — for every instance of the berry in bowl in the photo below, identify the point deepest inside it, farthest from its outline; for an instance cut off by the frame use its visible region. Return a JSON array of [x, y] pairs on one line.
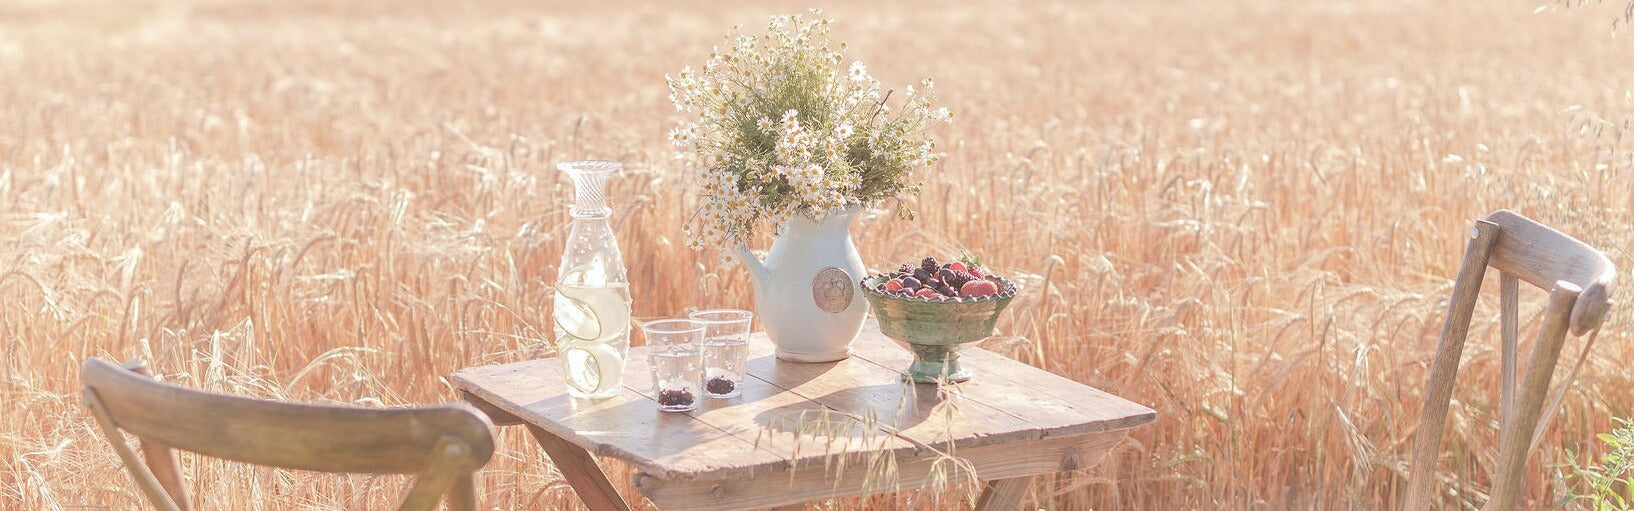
[[934, 309]]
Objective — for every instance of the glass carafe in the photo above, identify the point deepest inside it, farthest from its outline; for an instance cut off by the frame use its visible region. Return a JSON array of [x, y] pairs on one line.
[[591, 317]]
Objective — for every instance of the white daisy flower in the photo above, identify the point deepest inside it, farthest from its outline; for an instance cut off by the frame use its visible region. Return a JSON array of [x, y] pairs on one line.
[[844, 131]]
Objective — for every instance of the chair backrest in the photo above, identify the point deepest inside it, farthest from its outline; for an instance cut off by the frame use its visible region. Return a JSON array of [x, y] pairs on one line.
[[1541, 256], [444, 444], [1577, 277]]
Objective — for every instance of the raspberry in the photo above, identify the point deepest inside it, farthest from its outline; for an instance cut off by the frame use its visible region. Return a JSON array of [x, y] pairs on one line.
[[980, 287], [929, 265], [893, 285], [905, 269], [677, 397]]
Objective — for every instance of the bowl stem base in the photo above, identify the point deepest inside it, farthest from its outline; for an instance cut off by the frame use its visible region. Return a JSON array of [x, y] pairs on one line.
[[936, 364]]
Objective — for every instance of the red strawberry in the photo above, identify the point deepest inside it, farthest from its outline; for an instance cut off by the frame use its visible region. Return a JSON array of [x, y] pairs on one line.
[[978, 288], [893, 285], [957, 266], [927, 293], [977, 271]]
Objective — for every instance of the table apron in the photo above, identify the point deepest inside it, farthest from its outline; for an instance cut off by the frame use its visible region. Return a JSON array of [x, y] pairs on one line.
[[495, 414], [990, 462]]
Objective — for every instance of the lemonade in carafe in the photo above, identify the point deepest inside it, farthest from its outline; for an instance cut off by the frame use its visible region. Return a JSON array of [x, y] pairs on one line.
[[591, 317]]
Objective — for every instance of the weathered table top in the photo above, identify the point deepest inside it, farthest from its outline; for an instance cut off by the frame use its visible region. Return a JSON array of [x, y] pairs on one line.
[[799, 415]]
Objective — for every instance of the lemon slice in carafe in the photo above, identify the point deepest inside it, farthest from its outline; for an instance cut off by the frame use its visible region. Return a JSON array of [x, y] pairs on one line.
[[592, 368], [591, 307], [575, 317], [599, 314]]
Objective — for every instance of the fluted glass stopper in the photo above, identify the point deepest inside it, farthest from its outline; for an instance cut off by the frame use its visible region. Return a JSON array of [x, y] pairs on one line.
[[590, 186]]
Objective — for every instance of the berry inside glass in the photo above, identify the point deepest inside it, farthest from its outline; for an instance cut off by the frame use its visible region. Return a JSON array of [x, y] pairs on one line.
[[677, 364], [725, 350]]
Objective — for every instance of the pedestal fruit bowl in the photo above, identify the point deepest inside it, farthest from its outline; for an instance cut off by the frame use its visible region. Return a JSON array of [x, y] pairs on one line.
[[935, 328]]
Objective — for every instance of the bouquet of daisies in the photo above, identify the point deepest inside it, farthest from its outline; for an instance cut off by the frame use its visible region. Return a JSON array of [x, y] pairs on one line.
[[783, 128]]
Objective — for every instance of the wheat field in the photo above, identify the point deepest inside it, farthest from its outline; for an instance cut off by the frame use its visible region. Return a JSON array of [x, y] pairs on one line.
[[1243, 214]]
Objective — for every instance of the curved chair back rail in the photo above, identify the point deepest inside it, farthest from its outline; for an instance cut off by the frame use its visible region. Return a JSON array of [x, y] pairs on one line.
[[1578, 279], [1541, 256], [446, 442]]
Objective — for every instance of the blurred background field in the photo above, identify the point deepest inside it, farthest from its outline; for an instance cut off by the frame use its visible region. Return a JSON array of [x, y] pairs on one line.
[[1245, 215]]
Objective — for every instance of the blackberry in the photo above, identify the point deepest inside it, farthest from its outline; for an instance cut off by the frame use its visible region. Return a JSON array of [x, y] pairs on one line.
[[910, 283], [719, 385], [929, 265], [959, 279], [947, 290], [946, 276], [905, 269], [922, 274], [677, 397]]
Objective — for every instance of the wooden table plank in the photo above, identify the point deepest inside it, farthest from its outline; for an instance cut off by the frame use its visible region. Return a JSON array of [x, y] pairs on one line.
[[773, 417], [999, 461], [765, 416], [1055, 404], [915, 412], [627, 426]]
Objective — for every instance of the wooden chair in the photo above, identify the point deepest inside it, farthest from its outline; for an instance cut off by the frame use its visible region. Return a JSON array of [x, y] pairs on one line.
[[444, 445], [1577, 277]]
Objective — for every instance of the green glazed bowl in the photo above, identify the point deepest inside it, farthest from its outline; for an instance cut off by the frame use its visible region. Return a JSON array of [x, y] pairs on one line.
[[935, 329]]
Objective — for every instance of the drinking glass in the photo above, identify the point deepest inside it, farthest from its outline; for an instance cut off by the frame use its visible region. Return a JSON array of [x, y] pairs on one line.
[[725, 349], [677, 368]]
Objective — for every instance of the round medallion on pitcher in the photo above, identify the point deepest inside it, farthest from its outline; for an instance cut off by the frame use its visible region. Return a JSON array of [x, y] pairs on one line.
[[832, 290]]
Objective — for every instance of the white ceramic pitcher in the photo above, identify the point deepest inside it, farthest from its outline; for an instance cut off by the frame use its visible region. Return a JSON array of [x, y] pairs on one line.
[[806, 292]]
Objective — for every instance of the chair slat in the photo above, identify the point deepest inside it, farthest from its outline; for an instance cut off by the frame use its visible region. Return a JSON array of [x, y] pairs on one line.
[[1540, 368], [160, 460], [448, 462], [299, 436], [1510, 333], [145, 480]]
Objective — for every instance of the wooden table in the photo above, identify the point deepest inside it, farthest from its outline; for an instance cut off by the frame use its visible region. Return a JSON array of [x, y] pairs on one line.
[[803, 432]]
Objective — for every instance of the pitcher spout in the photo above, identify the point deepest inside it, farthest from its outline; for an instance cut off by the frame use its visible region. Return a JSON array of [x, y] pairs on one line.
[[758, 273]]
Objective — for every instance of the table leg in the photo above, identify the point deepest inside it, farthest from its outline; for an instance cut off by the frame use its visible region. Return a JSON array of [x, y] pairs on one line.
[[575, 463], [581, 472], [1005, 494]]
